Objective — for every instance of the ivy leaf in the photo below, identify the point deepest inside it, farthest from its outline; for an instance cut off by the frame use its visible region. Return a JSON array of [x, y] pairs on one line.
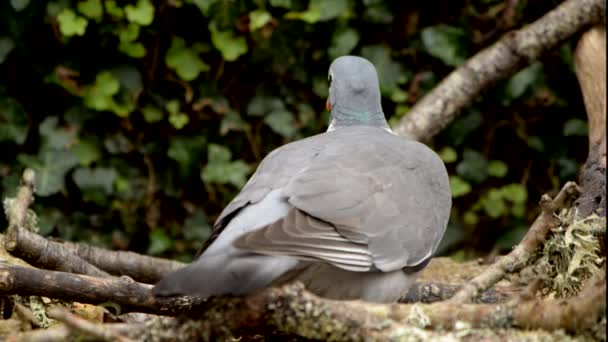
[[113, 9], [13, 121], [159, 242], [204, 5], [19, 5], [515, 193], [282, 122], [473, 167], [493, 203], [87, 151], [523, 80], [196, 227], [142, 13], [54, 136], [322, 10], [536, 143], [446, 43], [71, 24], [448, 154], [261, 105], [218, 154], [343, 42], [232, 121], [497, 168], [51, 166], [6, 46], [576, 127], [390, 72], [258, 18], [187, 152], [220, 169], [230, 47], [178, 120], [135, 50], [91, 9], [152, 114], [99, 95], [172, 106], [399, 95], [184, 61], [464, 126], [459, 187], [98, 177], [128, 33], [470, 218], [281, 3]]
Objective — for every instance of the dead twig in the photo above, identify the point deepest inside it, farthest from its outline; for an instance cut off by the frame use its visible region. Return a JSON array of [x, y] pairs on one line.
[[523, 253], [43, 253], [514, 50], [142, 268]]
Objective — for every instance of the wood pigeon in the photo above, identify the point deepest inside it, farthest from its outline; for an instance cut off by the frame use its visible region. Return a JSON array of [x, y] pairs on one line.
[[353, 213]]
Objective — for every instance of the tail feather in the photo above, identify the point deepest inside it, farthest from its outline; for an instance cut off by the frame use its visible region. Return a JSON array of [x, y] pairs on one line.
[[227, 273]]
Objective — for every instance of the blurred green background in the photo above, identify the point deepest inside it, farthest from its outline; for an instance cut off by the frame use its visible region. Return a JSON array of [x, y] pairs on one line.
[[144, 118]]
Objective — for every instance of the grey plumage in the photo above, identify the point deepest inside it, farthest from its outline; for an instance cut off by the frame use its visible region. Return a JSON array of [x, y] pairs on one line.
[[353, 213]]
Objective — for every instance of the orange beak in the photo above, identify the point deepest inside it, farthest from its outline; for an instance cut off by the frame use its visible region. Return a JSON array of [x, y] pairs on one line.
[[328, 105]]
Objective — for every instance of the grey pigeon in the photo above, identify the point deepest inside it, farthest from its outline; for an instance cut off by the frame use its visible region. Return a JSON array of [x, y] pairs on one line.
[[353, 213]]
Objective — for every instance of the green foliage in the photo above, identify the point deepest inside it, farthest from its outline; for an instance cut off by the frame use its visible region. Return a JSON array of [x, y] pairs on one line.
[[143, 119], [185, 61], [258, 19], [71, 24], [221, 170], [446, 43], [6, 46], [142, 13], [459, 187], [230, 46]]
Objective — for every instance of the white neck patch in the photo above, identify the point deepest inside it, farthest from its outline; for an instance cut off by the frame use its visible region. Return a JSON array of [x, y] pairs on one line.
[[332, 127]]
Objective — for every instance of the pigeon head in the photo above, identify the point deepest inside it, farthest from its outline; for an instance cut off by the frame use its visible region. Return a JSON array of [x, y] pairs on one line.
[[354, 94]]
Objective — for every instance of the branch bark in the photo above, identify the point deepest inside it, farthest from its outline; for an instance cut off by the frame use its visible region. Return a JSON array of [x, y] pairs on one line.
[[293, 310], [523, 253], [442, 105], [590, 65], [142, 268], [129, 295]]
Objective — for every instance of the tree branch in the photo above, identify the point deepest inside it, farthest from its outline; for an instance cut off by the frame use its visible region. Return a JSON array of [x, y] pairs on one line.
[[143, 268], [440, 107], [590, 65], [129, 295], [292, 310]]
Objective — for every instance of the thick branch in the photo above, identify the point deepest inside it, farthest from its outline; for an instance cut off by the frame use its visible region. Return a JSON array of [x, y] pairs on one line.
[[523, 253], [292, 310], [129, 295], [590, 64], [458, 90]]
